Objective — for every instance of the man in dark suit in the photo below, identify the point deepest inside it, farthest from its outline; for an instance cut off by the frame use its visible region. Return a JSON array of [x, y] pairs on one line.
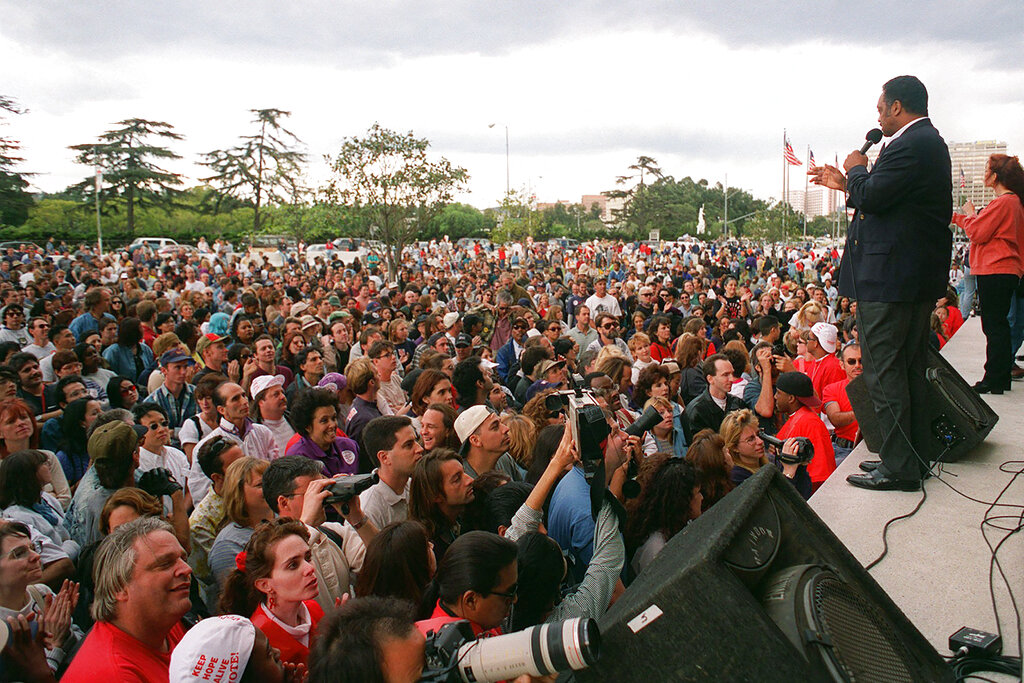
[[896, 265]]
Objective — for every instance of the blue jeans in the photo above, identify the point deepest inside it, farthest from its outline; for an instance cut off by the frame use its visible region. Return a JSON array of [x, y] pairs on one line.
[[970, 285]]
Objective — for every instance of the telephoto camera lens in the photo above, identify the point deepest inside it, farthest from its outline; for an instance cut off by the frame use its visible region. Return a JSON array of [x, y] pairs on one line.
[[539, 650]]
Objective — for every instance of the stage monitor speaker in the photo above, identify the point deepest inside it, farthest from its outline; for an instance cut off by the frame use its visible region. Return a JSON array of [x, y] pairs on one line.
[[958, 417], [759, 589]]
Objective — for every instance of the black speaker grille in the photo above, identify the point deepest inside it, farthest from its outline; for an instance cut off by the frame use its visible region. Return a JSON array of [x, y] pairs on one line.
[[864, 646], [962, 396]]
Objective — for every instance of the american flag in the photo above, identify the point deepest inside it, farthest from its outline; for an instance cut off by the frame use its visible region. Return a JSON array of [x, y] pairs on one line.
[[963, 180], [810, 158], [790, 156]]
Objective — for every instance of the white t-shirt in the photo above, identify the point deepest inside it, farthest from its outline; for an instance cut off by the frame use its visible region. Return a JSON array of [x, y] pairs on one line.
[[172, 460], [604, 304]]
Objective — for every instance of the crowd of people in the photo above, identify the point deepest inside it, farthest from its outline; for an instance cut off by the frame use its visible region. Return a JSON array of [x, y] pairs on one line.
[[173, 429]]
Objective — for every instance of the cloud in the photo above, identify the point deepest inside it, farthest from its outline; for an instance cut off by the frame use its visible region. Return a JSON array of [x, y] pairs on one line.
[[354, 32]]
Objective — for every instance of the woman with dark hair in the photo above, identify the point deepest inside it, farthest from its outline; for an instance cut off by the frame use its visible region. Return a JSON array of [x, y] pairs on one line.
[[292, 344], [122, 393], [713, 463], [432, 386], [544, 449], [73, 454], [652, 383], [669, 499], [274, 584], [22, 477], [689, 354], [437, 427], [997, 260], [129, 357], [314, 415], [476, 580], [399, 563], [242, 329]]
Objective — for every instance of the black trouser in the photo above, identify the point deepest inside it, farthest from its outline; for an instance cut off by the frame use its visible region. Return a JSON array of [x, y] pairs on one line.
[[994, 295], [894, 351]]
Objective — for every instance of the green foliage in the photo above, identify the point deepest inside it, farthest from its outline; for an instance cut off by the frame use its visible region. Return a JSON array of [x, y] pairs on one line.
[[458, 221], [128, 158], [389, 176], [15, 199], [265, 167]]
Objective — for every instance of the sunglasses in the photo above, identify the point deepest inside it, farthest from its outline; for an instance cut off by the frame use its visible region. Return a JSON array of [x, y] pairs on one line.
[[519, 327], [157, 425], [609, 326], [129, 389]]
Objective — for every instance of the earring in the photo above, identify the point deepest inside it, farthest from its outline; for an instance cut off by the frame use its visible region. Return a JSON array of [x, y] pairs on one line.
[[272, 601]]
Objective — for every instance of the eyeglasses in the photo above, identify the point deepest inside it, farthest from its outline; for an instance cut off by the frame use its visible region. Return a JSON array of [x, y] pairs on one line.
[[854, 361], [22, 551], [510, 594], [519, 327], [157, 425]]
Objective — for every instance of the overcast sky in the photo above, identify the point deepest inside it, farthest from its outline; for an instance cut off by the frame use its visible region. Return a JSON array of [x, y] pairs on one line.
[[584, 87]]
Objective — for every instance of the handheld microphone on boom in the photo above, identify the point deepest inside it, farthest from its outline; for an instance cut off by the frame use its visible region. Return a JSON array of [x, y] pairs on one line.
[[873, 136]]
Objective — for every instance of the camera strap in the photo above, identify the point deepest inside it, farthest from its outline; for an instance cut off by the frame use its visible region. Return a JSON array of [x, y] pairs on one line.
[[333, 535]]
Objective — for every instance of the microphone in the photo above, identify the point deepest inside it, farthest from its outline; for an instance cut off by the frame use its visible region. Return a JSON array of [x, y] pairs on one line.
[[873, 136]]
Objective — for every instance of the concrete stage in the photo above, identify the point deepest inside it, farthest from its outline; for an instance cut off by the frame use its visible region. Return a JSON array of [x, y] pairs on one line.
[[937, 568]]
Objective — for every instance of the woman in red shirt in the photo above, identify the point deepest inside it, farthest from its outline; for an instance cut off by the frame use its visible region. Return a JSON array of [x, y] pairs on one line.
[[274, 582], [997, 237]]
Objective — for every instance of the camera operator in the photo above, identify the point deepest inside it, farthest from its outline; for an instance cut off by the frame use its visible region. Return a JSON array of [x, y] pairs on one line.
[[795, 399], [570, 521], [746, 448], [294, 488], [759, 394]]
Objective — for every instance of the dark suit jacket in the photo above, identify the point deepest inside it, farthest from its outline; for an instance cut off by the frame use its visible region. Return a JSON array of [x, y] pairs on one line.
[[703, 413], [898, 246]]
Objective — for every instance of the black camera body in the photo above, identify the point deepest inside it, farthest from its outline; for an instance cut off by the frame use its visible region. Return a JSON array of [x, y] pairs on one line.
[[346, 488], [804, 449]]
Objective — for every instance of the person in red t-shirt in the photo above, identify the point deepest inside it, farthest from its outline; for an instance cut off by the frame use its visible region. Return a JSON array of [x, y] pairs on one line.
[[836, 404], [142, 592], [824, 369], [794, 397]]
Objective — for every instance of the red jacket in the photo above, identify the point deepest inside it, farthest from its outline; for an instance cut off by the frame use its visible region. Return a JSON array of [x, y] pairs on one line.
[[997, 237], [292, 651], [805, 422], [441, 616]]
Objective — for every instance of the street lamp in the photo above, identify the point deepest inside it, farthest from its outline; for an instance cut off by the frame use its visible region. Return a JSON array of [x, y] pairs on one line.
[[507, 186]]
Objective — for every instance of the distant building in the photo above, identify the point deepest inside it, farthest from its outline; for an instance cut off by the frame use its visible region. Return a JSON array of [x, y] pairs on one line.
[[972, 157]]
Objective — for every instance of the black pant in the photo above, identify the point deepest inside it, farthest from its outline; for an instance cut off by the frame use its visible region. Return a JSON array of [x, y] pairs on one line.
[[994, 295], [894, 352]]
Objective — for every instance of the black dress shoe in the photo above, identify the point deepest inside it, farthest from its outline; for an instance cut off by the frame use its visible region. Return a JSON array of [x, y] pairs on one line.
[[985, 388], [876, 482], [870, 465]]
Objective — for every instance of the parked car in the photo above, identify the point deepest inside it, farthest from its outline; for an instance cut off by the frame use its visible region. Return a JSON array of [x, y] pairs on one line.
[[154, 243]]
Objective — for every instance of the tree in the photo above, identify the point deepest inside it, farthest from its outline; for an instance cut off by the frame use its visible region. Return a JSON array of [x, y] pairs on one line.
[[643, 167], [264, 168], [14, 197], [390, 177], [127, 159]]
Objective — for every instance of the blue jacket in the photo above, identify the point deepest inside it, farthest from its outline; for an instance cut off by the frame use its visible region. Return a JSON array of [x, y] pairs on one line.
[[505, 359], [679, 444], [122, 360]]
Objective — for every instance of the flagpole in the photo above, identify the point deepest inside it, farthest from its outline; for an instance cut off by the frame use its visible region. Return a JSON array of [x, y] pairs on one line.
[[785, 165], [808, 157]]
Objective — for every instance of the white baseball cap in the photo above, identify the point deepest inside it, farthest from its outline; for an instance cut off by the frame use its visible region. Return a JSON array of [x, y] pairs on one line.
[[826, 335], [264, 382], [222, 644], [450, 319], [469, 421]]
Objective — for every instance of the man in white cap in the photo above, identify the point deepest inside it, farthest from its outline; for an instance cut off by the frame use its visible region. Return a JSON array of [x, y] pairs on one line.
[[268, 408], [825, 368], [485, 440], [226, 649], [452, 327]]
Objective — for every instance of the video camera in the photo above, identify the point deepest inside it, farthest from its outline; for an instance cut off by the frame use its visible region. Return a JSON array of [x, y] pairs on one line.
[[453, 654], [804, 449], [345, 489], [585, 421]]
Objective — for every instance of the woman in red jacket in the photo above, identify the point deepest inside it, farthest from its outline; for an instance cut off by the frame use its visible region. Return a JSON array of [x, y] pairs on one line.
[[997, 237], [275, 583]]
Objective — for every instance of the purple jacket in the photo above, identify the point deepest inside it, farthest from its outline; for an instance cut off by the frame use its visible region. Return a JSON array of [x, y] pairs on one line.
[[343, 457]]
